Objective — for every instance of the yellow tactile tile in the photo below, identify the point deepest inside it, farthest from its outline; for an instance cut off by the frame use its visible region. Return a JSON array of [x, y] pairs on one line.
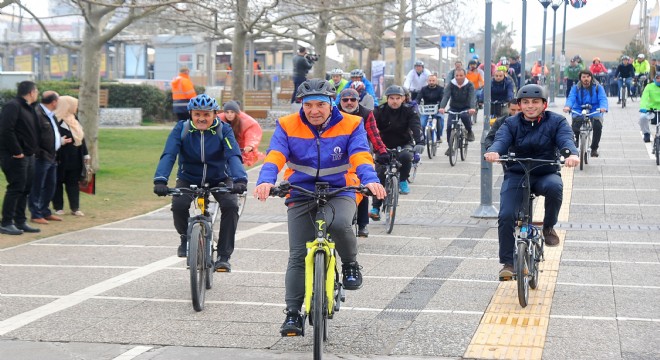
[[508, 331]]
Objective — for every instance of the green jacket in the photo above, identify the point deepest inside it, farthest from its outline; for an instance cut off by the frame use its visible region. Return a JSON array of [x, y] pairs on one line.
[[650, 97], [641, 67], [341, 86], [572, 72]]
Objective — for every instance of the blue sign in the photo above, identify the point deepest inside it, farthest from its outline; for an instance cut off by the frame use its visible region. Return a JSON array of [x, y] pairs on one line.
[[448, 41]]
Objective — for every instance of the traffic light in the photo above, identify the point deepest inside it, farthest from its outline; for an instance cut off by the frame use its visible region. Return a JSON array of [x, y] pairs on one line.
[[471, 47]]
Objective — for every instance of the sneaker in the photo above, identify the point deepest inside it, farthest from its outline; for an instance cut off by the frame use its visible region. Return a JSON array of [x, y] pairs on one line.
[[363, 231], [439, 140], [403, 187], [447, 152], [506, 273], [293, 324], [551, 237], [374, 214], [647, 137], [27, 228], [59, 212], [222, 265], [470, 136], [77, 213], [10, 230], [594, 153], [352, 277]]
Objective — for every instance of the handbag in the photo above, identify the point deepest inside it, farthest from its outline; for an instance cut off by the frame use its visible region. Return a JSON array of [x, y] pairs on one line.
[[87, 183]]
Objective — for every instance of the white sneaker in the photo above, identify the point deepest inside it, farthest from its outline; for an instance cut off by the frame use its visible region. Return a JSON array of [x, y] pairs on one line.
[[59, 212], [77, 213]]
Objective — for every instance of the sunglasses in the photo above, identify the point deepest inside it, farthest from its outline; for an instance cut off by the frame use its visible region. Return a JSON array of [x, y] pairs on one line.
[[348, 99]]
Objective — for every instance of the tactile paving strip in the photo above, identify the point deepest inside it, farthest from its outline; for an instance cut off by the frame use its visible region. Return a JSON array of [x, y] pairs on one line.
[[508, 331]]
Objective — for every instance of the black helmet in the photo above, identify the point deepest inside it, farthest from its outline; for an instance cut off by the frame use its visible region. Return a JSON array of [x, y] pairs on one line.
[[532, 91], [315, 87], [472, 62], [395, 90]]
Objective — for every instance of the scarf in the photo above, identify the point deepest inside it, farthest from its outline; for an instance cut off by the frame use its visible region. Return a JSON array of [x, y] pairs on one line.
[[67, 107]]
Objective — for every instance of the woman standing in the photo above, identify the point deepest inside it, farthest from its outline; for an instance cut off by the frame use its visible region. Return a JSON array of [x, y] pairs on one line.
[[246, 130], [72, 158]]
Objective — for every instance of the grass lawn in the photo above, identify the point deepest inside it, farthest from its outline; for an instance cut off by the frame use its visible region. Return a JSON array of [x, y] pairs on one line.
[[124, 187]]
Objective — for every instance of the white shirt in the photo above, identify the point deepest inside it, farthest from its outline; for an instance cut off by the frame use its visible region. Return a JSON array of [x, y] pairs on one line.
[[414, 81], [53, 123]]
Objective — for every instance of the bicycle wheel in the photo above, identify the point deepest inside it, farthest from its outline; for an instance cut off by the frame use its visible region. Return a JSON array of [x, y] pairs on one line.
[[583, 149], [242, 199], [318, 305], [656, 147], [413, 173], [464, 146], [453, 148], [390, 215], [210, 264], [196, 262], [587, 152], [429, 142], [521, 273], [534, 265]]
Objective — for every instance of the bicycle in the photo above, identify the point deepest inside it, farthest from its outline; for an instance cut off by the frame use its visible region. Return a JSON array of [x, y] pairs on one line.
[[430, 130], [496, 110], [324, 291], [391, 200], [585, 133], [638, 85], [458, 139], [202, 245], [529, 244], [622, 92], [656, 140], [417, 161]]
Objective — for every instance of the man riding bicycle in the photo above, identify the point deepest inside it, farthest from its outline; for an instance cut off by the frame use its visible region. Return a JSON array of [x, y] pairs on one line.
[[533, 133], [207, 151], [626, 71], [650, 100], [587, 92], [416, 79], [318, 144], [501, 88], [460, 96], [431, 94], [399, 125]]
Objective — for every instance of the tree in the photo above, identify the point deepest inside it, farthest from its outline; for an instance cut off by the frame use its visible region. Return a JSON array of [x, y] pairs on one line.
[[99, 30], [508, 51], [634, 48]]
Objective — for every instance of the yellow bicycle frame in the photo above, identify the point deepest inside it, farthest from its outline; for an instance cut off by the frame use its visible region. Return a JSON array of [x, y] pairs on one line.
[[329, 249]]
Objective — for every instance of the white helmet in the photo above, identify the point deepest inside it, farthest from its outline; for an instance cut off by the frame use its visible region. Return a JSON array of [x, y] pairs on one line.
[[336, 71], [641, 56]]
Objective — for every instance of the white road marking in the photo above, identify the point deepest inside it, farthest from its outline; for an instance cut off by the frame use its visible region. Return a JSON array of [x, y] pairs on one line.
[[133, 353]]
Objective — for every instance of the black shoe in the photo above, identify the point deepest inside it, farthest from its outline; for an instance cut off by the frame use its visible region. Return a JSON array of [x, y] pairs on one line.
[[10, 230], [594, 153], [27, 228], [447, 152], [618, 102], [647, 137], [293, 324], [363, 231], [182, 250], [222, 265], [470, 136], [352, 277]]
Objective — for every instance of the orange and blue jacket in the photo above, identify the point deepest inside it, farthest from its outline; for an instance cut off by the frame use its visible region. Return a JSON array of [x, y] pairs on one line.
[[338, 154]]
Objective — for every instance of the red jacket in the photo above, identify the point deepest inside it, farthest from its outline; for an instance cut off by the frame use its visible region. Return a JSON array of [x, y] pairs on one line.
[[598, 68], [251, 136]]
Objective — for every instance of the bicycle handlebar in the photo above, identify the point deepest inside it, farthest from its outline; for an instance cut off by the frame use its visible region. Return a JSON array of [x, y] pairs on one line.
[[199, 191], [283, 188], [590, 114], [457, 113], [512, 158]]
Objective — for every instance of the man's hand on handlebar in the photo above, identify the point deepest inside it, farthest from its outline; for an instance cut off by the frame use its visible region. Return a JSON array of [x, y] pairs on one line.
[[566, 109], [161, 189], [262, 191], [572, 161], [472, 111], [441, 110], [491, 156], [377, 189]]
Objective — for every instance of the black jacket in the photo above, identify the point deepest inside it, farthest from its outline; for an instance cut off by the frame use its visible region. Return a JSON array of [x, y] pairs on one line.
[[69, 156], [398, 127], [301, 66], [430, 95], [46, 146], [19, 133], [462, 98]]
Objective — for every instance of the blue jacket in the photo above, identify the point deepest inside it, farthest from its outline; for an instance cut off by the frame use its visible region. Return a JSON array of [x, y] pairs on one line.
[[368, 87], [204, 156], [594, 96], [540, 139], [501, 90]]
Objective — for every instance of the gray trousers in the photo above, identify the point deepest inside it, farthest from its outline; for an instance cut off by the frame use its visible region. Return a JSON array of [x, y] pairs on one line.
[[339, 217]]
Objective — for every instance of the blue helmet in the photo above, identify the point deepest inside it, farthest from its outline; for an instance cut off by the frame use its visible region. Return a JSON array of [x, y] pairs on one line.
[[203, 102]]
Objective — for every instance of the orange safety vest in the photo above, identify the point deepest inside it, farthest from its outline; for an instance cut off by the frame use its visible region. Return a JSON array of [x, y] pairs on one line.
[[182, 88]]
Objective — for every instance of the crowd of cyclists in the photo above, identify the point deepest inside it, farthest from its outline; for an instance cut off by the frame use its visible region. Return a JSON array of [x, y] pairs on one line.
[[342, 132]]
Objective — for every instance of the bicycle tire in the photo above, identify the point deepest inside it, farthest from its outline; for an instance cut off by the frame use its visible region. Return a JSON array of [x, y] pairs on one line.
[[534, 266], [429, 142], [413, 173], [464, 146], [453, 148], [521, 274], [583, 150], [196, 262], [390, 215], [319, 317], [242, 199], [657, 150], [588, 148], [210, 265]]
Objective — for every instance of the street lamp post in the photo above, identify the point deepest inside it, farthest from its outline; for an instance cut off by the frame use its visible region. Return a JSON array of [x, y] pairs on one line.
[[555, 6], [563, 46], [545, 4], [523, 48]]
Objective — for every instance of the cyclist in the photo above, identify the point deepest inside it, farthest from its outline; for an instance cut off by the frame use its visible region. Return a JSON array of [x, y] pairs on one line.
[[358, 75], [246, 130], [399, 125], [501, 88], [431, 94], [475, 57], [337, 80], [416, 79], [457, 65], [534, 133], [539, 69], [515, 65], [207, 152], [476, 77], [587, 92], [650, 100], [599, 70], [572, 76], [366, 99], [654, 68], [625, 71], [460, 95], [350, 105], [642, 67], [513, 109], [318, 144]]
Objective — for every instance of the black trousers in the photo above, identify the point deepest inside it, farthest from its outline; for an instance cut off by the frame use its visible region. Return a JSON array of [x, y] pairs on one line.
[[597, 125], [297, 80], [19, 174], [67, 180]]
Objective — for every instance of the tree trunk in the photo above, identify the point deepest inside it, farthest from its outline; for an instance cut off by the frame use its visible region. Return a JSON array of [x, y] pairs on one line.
[[320, 45], [88, 107], [398, 43], [375, 38], [238, 51]]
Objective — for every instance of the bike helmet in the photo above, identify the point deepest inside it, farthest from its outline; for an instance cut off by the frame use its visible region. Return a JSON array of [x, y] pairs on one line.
[[641, 56], [358, 85], [532, 91], [419, 63], [472, 62], [203, 102], [475, 57], [315, 87], [625, 57], [395, 90], [596, 58], [504, 61], [357, 73], [336, 71]]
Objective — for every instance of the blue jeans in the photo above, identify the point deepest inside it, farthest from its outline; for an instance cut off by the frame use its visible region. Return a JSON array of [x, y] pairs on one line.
[[43, 188], [550, 186], [440, 124], [628, 84]]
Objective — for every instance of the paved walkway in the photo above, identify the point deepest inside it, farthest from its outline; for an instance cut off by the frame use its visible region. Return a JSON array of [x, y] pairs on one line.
[[431, 291]]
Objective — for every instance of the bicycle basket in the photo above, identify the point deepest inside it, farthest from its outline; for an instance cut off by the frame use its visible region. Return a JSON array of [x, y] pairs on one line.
[[428, 109]]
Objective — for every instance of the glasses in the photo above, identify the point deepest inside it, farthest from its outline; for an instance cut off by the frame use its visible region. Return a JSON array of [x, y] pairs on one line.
[[348, 99]]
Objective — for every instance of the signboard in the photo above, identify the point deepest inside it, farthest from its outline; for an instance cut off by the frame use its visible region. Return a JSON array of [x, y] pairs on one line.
[[448, 41], [59, 65]]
